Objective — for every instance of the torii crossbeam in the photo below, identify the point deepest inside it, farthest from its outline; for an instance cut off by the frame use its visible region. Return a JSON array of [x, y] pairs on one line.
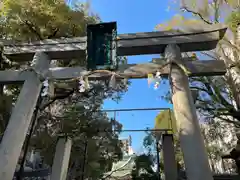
[[171, 43], [128, 44]]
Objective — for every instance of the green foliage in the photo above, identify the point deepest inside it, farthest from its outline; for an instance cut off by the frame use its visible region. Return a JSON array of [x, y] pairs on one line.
[[40, 19], [149, 141], [143, 168], [82, 120], [25, 20], [233, 20]]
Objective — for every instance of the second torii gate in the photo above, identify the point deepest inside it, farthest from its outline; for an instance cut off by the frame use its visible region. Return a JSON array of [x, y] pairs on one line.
[[171, 43]]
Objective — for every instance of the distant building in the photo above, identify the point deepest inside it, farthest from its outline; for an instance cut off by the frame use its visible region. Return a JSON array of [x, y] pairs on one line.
[[126, 144]]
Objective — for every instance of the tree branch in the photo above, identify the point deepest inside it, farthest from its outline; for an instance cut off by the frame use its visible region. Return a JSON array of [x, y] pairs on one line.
[[207, 54], [215, 93], [53, 34], [230, 44], [32, 29], [199, 88], [230, 121], [231, 82], [197, 14], [56, 98], [222, 116], [63, 96], [216, 11]]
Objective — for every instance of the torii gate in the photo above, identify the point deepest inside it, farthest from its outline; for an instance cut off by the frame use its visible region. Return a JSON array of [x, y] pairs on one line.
[[171, 43]]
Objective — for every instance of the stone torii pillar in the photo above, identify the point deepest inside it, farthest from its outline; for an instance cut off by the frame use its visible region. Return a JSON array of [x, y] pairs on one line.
[[61, 159], [169, 160], [191, 140], [15, 133]]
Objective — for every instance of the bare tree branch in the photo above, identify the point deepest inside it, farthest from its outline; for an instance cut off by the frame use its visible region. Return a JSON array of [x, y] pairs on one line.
[[230, 121], [230, 44], [57, 98], [207, 54], [184, 8], [32, 29], [216, 11], [53, 34], [222, 116]]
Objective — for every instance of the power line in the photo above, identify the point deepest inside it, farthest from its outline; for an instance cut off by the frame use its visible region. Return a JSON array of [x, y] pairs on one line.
[[145, 130], [134, 109], [120, 110], [128, 109], [128, 130]]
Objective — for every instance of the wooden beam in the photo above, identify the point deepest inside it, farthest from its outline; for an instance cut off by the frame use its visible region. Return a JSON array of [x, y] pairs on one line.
[[128, 44], [13, 76], [131, 71], [156, 42], [139, 71]]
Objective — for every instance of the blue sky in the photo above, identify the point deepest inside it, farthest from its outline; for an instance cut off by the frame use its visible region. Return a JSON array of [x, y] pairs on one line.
[[135, 16]]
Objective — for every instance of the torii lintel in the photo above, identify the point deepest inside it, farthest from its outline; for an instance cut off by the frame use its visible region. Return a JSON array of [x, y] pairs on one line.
[[202, 39]]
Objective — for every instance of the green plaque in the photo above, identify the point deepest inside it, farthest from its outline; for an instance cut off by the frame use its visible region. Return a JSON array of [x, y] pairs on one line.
[[102, 46]]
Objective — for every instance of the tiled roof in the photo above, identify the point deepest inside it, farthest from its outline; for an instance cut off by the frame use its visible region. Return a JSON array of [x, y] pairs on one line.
[[123, 167]]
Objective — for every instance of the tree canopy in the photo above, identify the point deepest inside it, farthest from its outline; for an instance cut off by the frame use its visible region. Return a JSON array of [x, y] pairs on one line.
[[37, 20], [144, 168], [218, 97]]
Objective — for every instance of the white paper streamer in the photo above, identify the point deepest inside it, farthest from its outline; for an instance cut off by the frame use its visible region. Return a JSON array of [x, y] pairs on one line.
[[45, 88], [112, 82], [81, 87]]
